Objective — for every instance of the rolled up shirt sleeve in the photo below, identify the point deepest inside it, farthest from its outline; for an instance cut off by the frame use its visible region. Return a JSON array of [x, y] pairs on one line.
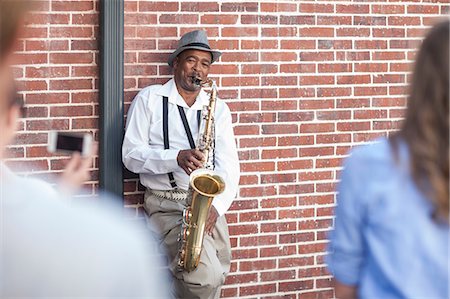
[[137, 155], [226, 161], [346, 247]]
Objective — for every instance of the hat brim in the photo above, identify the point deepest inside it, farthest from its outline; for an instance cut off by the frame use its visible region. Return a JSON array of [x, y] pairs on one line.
[[215, 54]]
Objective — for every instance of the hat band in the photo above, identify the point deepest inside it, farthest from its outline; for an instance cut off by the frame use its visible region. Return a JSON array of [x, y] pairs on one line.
[[197, 45]]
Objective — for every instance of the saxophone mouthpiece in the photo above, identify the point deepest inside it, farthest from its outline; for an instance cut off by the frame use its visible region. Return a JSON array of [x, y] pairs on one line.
[[197, 81]]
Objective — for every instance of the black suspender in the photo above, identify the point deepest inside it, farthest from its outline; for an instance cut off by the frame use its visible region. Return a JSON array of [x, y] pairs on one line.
[[173, 184], [186, 127]]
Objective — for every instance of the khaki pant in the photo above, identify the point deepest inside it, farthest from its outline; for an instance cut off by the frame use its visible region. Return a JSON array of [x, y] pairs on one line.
[[205, 281]]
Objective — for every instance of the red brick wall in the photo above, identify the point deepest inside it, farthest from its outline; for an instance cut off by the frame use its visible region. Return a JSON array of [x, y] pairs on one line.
[[58, 76], [305, 80]]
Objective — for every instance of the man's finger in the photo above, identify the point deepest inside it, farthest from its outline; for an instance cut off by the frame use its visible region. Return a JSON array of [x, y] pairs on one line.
[[185, 168], [195, 162], [73, 162], [198, 155]]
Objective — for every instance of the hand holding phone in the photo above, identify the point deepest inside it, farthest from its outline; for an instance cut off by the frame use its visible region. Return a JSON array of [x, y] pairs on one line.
[[70, 142], [77, 170]]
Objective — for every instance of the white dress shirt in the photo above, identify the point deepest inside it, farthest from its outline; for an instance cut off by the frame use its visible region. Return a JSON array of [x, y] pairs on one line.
[[51, 247], [143, 146]]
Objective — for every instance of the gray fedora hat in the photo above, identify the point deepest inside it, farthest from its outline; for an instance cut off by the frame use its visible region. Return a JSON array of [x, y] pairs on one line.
[[194, 40]]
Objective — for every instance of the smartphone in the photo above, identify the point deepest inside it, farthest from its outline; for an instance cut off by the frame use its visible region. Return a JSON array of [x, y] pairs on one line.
[[69, 142]]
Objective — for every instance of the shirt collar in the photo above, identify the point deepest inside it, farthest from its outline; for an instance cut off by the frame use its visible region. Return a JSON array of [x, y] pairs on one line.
[[170, 90]]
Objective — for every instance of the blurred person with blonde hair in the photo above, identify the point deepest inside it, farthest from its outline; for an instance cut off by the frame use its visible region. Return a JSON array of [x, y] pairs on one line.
[[48, 247], [391, 235]]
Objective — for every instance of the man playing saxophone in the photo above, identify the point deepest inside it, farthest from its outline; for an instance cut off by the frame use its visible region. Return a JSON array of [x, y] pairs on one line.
[[163, 125]]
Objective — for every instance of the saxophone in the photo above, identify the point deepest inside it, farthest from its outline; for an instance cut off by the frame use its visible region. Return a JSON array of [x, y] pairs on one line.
[[204, 185]]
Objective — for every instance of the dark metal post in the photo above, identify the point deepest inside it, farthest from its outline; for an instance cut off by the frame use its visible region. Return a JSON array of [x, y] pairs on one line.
[[111, 95]]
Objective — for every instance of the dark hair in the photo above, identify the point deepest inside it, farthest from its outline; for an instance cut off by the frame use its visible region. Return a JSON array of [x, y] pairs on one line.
[[426, 126], [11, 14]]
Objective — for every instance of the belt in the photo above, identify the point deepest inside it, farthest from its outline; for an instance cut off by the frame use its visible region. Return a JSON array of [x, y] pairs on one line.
[[176, 194]]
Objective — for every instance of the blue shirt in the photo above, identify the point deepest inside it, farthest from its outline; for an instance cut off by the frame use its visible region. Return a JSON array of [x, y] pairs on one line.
[[385, 241]]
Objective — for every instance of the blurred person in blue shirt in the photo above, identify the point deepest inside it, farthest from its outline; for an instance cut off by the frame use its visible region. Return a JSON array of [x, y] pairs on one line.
[[51, 247], [391, 235]]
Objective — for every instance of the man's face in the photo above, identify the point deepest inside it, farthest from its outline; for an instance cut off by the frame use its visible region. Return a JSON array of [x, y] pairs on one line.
[[191, 64]]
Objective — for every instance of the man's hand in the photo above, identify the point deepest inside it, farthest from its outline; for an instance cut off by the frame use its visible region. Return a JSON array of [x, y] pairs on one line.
[[211, 221], [190, 160], [76, 171]]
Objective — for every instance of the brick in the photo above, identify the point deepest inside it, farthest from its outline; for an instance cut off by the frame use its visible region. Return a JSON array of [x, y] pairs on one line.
[[317, 32], [316, 56], [29, 58], [46, 125], [257, 167], [240, 279], [422, 9], [47, 98], [244, 253], [259, 68], [277, 275], [296, 285], [229, 293], [257, 191], [295, 213], [334, 44], [146, 32], [279, 202], [279, 129], [278, 251], [334, 20], [219, 19], [259, 44], [239, 7], [71, 32], [279, 153], [295, 262], [71, 58], [352, 9], [280, 56], [85, 19], [279, 32], [70, 111], [278, 227], [47, 72], [80, 5], [278, 105], [298, 44], [158, 6], [316, 8], [297, 20], [278, 7], [296, 189], [178, 18], [260, 19], [359, 32], [257, 216], [200, 6], [242, 229], [71, 84], [240, 56], [257, 240]]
